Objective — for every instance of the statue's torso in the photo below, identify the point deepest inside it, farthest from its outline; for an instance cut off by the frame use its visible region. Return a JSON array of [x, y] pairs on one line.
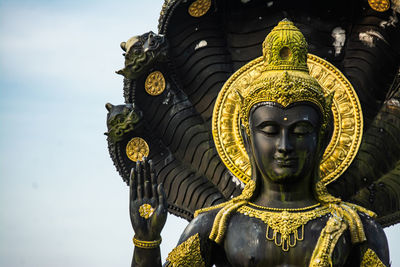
[[246, 244], [334, 235]]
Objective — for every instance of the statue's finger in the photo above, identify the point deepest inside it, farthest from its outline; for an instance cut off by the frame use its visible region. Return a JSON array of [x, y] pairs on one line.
[[147, 189], [146, 178], [161, 195], [139, 192], [152, 173], [132, 186], [154, 192], [153, 179], [145, 168], [139, 180]]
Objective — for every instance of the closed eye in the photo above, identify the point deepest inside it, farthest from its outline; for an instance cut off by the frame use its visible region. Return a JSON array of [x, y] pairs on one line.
[[303, 128], [268, 128]]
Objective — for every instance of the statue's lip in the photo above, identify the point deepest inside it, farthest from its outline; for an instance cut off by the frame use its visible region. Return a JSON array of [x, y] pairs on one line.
[[285, 158], [285, 161]]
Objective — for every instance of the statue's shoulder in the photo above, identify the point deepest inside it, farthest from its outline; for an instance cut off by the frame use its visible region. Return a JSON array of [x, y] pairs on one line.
[[374, 250], [201, 224], [194, 246]]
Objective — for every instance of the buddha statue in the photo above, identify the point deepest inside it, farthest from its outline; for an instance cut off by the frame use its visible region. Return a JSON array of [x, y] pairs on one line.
[[285, 215]]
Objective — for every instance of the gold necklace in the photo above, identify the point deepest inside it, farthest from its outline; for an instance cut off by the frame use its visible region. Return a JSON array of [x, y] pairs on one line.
[[283, 225], [285, 209]]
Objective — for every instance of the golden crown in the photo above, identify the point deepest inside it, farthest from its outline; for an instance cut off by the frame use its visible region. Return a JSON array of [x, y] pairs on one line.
[[285, 77]]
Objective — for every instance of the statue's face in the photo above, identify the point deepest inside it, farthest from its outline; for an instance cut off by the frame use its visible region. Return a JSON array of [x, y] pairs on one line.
[[284, 141]]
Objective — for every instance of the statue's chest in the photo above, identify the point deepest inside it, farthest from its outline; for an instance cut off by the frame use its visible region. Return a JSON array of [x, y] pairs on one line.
[[246, 244]]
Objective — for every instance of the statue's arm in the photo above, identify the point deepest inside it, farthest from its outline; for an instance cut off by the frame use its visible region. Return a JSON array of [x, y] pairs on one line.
[[195, 248], [148, 212], [375, 249]]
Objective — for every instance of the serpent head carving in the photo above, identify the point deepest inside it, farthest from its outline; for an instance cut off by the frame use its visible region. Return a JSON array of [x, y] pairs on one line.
[[141, 53], [121, 120]]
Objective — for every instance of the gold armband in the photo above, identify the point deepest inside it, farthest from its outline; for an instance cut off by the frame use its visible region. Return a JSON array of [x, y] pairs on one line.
[[371, 259], [146, 244], [187, 254]]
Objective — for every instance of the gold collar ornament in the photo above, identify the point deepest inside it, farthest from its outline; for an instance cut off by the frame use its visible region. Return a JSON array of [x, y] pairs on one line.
[[285, 228], [286, 74]]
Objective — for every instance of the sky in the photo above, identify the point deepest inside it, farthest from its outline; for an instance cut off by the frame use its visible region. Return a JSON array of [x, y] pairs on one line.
[[62, 202]]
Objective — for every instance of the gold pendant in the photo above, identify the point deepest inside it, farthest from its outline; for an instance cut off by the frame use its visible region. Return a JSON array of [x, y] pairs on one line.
[[285, 228]]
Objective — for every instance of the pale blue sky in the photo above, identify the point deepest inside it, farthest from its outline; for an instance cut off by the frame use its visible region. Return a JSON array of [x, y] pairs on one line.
[[61, 201]]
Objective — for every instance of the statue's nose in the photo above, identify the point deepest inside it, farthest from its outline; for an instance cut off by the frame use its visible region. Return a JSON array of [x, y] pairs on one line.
[[284, 144]]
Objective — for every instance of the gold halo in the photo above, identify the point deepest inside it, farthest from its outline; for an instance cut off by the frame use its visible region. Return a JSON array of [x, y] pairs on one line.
[[346, 108], [136, 149], [155, 83]]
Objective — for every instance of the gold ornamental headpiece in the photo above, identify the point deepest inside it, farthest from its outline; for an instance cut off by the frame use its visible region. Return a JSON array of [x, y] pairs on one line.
[[285, 77], [286, 74]]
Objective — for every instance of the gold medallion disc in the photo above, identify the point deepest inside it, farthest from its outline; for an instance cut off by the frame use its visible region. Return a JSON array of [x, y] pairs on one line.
[[155, 83], [379, 5], [346, 108], [199, 8], [136, 149], [146, 210]]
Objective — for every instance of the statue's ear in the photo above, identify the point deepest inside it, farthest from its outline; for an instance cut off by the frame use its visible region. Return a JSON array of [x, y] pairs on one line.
[[249, 151], [246, 140]]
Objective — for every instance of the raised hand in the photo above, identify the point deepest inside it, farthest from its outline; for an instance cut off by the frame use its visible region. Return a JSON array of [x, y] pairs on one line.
[[148, 205]]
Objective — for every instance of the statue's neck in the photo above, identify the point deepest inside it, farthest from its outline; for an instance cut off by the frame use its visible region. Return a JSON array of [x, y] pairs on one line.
[[297, 194]]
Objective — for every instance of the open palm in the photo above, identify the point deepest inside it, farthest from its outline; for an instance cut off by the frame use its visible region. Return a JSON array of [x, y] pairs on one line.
[[147, 205]]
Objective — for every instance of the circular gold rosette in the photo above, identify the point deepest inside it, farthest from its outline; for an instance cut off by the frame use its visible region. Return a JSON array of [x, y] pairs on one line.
[[199, 8], [155, 83], [379, 5], [146, 210], [137, 148], [346, 108]]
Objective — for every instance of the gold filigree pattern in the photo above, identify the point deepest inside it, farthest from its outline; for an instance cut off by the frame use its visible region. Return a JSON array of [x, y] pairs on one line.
[[284, 209], [370, 259], [199, 8], [347, 119], [285, 228], [155, 83], [343, 211], [187, 254], [349, 213], [346, 108], [323, 195], [285, 48], [285, 89], [379, 5], [322, 254], [146, 210], [136, 149]]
